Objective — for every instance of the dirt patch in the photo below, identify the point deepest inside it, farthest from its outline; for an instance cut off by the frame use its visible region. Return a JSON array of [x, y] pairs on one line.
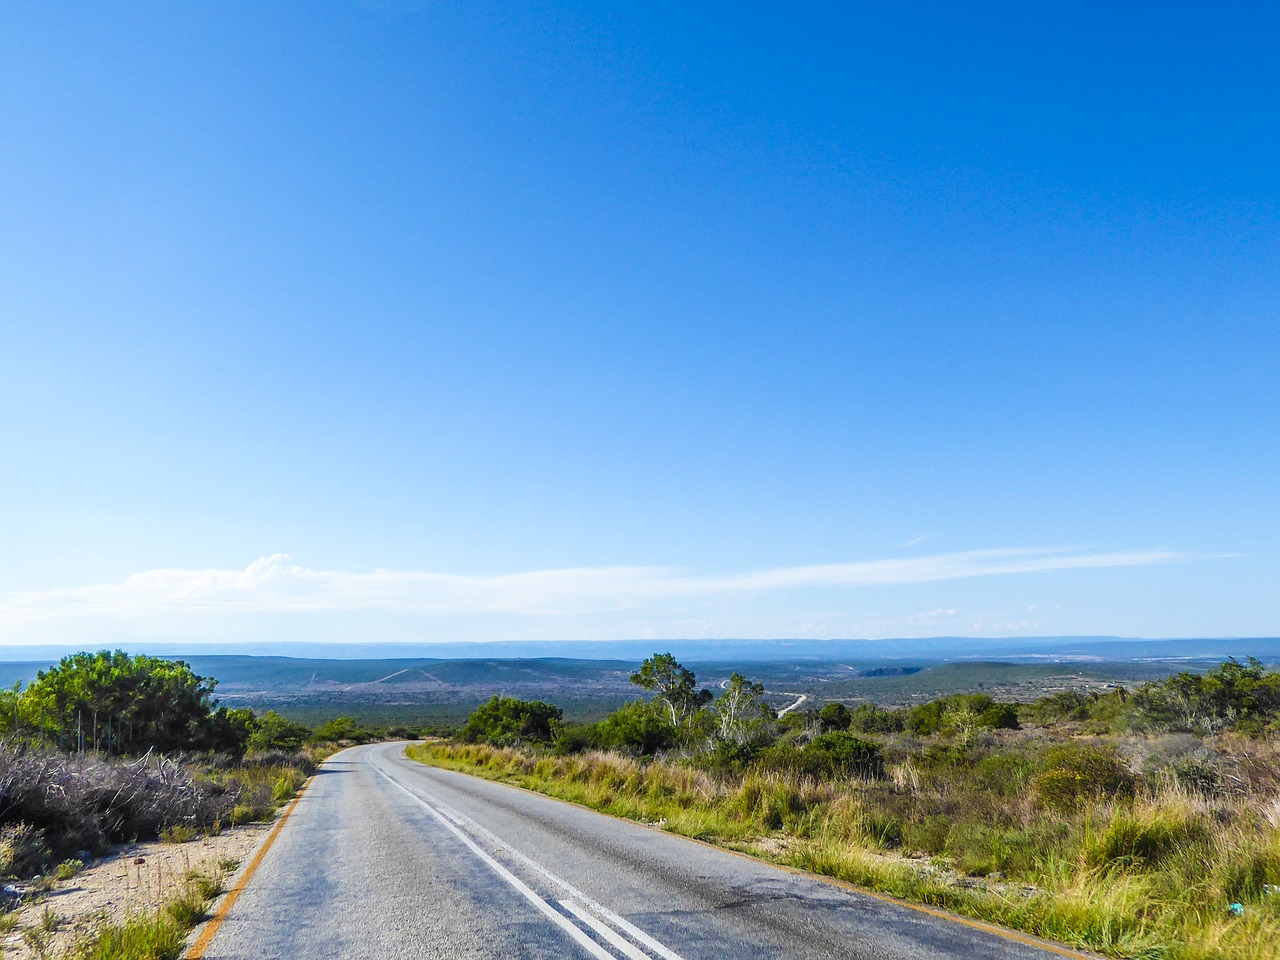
[[136, 879]]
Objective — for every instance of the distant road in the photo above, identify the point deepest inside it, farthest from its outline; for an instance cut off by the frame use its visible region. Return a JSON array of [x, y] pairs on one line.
[[386, 859], [800, 698]]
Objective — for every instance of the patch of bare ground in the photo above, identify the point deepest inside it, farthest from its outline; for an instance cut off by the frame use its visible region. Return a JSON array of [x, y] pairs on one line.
[[136, 879]]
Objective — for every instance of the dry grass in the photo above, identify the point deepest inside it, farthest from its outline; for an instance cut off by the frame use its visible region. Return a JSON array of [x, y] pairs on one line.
[[1153, 876]]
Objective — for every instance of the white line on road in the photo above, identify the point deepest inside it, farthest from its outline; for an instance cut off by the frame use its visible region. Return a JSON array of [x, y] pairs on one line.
[[554, 915], [621, 923], [604, 931]]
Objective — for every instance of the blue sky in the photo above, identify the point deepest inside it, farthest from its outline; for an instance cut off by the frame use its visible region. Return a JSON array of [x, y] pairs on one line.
[[438, 321]]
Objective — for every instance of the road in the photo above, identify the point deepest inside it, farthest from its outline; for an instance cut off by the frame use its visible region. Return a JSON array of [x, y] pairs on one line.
[[384, 858]]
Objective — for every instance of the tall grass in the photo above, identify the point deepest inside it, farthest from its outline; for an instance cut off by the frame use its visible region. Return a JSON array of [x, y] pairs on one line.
[[154, 936], [1152, 875]]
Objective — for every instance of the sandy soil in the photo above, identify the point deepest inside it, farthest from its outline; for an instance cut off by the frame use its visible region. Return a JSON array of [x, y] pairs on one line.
[[135, 879]]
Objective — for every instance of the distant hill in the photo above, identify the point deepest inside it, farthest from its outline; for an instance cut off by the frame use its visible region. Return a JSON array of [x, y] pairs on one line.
[[712, 651], [438, 690]]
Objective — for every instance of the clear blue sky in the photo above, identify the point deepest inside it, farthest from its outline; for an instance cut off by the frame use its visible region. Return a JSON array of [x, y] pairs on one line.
[[648, 306]]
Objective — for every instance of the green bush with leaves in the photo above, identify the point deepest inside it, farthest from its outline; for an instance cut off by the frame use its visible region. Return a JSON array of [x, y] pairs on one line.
[[274, 732], [638, 728], [116, 703], [1075, 773], [1236, 696], [507, 721]]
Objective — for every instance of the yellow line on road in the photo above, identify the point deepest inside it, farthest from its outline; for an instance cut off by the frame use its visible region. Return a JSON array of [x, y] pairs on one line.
[[211, 928]]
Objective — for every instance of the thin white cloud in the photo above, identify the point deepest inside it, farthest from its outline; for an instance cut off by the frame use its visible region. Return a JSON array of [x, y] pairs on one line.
[[278, 585]]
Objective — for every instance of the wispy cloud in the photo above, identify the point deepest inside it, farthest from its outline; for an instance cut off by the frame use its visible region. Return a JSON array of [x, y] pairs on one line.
[[279, 585]]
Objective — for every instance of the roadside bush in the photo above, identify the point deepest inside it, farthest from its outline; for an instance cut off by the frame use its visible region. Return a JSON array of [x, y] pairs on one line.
[[1074, 773], [576, 738], [274, 732], [341, 729], [827, 756], [23, 852], [84, 803], [506, 721], [638, 728]]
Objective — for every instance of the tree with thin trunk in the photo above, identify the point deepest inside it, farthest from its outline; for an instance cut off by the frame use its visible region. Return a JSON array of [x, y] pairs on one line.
[[675, 686]]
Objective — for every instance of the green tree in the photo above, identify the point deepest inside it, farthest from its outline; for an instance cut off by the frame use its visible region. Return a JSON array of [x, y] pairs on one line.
[[638, 727], [675, 686], [737, 711], [116, 703], [834, 716], [274, 732], [506, 721], [340, 728]]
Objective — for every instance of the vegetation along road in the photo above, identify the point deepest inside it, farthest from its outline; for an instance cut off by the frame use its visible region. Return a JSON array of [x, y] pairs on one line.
[[386, 858]]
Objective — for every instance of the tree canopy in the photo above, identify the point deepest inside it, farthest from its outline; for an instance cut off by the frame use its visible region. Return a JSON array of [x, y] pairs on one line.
[[506, 721], [675, 685], [117, 703]]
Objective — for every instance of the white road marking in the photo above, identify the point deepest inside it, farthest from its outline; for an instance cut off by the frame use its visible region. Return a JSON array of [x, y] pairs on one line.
[[620, 923], [604, 931], [556, 917]]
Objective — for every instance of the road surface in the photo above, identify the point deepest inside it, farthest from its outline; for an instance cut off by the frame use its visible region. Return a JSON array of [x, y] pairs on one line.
[[387, 859]]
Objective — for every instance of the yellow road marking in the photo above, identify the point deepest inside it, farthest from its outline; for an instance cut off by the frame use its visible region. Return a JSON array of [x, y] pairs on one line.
[[211, 928]]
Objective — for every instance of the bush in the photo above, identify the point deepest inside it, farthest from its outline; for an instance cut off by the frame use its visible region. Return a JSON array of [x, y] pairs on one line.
[[68, 869], [1244, 696], [834, 716], [827, 757], [1074, 773], [85, 803], [638, 728], [341, 728], [999, 716], [274, 732], [23, 851], [506, 721], [868, 718], [576, 738]]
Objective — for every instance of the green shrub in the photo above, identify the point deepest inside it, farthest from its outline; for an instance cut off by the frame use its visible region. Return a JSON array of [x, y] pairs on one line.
[[576, 738], [868, 718], [638, 728], [834, 716], [68, 869], [507, 721], [999, 716], [1074, 773]]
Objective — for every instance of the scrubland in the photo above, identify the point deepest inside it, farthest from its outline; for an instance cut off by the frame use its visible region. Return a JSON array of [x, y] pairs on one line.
[[1138, 825]]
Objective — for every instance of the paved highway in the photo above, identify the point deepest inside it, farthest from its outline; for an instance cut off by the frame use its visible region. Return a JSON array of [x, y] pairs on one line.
[[385, 858]]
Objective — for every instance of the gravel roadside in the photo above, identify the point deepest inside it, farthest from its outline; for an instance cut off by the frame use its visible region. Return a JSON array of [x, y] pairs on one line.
[[134, 879]]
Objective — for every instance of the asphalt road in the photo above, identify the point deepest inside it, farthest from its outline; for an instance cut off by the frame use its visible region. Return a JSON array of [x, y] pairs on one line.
[[385, 858]]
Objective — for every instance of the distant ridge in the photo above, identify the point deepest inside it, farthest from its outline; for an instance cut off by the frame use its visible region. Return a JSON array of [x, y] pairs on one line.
[[709, 651]]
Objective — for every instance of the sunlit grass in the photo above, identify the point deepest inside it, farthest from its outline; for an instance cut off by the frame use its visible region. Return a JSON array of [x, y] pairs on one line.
[[1151, 878]]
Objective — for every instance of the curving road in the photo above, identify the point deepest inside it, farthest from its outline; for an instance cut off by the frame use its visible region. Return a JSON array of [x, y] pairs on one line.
[[384, 858]]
